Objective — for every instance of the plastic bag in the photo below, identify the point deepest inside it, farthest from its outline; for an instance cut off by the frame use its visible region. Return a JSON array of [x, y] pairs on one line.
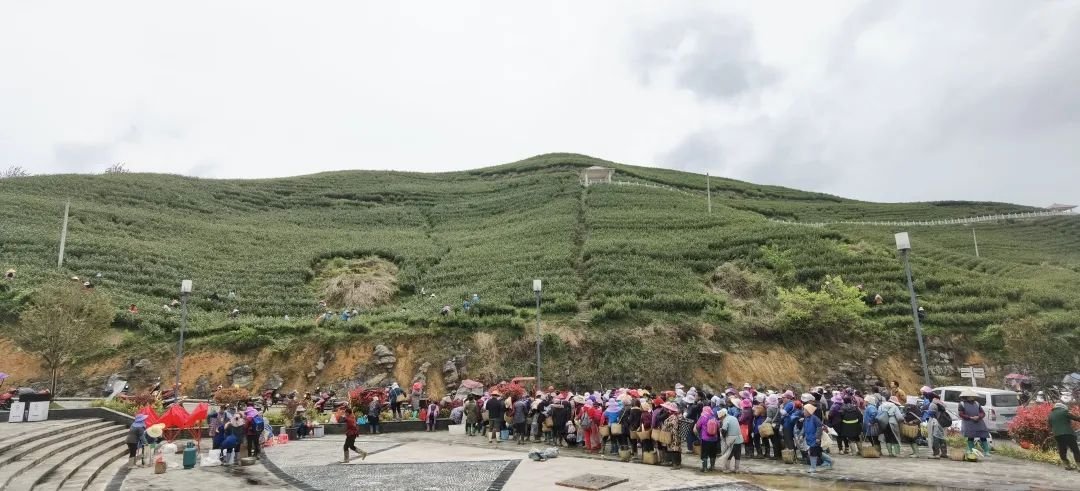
[[211, 459]]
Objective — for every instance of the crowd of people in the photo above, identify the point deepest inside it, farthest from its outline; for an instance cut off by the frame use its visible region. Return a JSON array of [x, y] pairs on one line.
[[660, 426]]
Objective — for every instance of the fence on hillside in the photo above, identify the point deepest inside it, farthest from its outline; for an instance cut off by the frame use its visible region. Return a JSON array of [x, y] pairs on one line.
[[885, 223], [941, 221]]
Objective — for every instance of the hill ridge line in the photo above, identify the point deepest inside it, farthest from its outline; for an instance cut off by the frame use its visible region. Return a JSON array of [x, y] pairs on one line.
[[902, 223]]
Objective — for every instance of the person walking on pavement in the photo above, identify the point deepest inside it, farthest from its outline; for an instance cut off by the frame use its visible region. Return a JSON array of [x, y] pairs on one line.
[[351, 432], [1061, 425]]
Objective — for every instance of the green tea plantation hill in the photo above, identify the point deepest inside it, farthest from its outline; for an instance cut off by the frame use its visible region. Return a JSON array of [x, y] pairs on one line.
[[641, 283]]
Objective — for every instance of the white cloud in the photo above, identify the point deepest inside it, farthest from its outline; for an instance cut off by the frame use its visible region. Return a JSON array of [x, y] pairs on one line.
[[874, 100]]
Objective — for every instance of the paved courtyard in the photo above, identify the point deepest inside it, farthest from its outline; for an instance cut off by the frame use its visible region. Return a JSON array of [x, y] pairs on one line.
[[439, 461]]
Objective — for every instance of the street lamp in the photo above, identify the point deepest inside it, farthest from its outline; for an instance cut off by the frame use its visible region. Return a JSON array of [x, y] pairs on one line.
[[185, 290], [903, 244], [536, 289]]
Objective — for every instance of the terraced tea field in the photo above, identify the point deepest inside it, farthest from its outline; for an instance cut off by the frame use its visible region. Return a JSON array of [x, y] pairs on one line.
[[611, 257]]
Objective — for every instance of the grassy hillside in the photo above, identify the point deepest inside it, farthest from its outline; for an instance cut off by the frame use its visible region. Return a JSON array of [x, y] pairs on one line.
[[613, 258]]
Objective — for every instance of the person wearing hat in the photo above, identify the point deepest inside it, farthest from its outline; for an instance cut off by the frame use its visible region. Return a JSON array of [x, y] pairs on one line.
[[611, 415], [889, 417], [773, 418], [812, 430], [1061, 425], [733, 441], [136, 438], [671, 425], [972, 422], [560, 414], [230, 447], [630, 419], [870, 428], [791, 414]]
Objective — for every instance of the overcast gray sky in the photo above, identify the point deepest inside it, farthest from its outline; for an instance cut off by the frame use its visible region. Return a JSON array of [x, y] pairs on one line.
[[884, 101]]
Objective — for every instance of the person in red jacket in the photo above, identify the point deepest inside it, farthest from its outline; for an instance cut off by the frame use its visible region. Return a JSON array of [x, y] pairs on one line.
[[592, 426], [351, 432]]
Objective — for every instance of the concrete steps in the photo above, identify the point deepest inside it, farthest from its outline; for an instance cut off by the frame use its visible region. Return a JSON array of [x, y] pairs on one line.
[[110, 445], [65, 454], [101, 481], [98, 470], [14, 438], [38, 460]]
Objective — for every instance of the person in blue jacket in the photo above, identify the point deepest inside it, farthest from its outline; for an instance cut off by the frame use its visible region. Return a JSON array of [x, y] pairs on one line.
[[812, 429]]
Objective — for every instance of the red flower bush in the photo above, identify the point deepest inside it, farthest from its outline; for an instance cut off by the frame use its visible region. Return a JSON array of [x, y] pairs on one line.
[[360, 398], [1032, 424], [509, 389]]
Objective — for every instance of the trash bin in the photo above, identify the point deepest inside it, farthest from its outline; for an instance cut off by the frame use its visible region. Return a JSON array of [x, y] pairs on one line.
[[320, 431]]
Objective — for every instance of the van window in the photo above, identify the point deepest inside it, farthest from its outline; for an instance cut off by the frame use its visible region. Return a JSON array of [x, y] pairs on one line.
[[952, 396], [1005, 400]]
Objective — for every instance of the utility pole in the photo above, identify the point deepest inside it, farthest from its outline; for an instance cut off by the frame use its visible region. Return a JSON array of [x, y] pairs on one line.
[[185, 291], [708, 191], [976, 240], [63, 235]]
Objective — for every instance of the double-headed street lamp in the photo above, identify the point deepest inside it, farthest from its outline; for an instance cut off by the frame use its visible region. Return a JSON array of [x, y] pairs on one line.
[[903, 244]]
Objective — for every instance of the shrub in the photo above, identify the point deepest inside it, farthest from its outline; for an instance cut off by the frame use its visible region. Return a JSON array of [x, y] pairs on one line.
[[231, 395], [1031, 424], [832, 310]]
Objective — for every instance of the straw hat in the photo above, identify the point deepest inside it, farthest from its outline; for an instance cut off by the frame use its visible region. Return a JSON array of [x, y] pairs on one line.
[[810, 408], [156, 430], [968, 393]]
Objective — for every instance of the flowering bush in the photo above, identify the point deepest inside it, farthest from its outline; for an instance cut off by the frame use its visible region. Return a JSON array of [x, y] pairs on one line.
[[231, 395], [1032, 424], [508, 389]]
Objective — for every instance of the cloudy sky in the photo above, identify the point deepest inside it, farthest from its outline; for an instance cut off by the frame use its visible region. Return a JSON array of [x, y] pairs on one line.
[[884, 101]]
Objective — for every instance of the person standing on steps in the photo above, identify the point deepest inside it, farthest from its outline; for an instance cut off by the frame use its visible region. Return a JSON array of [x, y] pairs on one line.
[[495, 409], [1060, 421], [351, 432], [136, 438]]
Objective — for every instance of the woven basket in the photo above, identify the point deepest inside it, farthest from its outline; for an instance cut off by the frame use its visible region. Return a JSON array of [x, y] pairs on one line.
[[788, 456], [644, 435], [869, 452], [910, 432], [665, 438], [765, 430], [650, 458], [548, 424], [625, 454], [605, 430], [616, 429], [697, 449], [654, 434]]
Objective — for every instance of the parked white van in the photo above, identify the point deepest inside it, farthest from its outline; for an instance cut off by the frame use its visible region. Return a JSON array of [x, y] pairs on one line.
[[1000, 405]]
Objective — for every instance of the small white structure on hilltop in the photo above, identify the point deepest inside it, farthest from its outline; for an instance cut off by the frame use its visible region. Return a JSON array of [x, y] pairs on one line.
[[596, 174], [1060, 208]]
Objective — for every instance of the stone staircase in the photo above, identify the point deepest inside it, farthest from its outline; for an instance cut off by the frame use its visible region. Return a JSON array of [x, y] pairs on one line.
[[76, 454]]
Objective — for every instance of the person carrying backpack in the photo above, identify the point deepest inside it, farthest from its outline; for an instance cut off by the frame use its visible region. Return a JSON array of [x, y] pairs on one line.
[[707, 429], [936, 432], [254, 426]]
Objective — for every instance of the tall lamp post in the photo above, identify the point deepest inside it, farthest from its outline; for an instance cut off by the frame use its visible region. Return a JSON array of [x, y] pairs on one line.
[[185, 290], [536, 289], [903, 244]]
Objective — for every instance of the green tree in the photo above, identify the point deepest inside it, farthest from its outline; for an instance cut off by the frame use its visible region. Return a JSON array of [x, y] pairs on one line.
[[833, 309], [1034, 345], [62, 324]]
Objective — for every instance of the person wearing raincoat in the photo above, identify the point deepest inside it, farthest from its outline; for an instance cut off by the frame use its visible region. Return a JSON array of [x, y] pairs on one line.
[[136, 438]]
